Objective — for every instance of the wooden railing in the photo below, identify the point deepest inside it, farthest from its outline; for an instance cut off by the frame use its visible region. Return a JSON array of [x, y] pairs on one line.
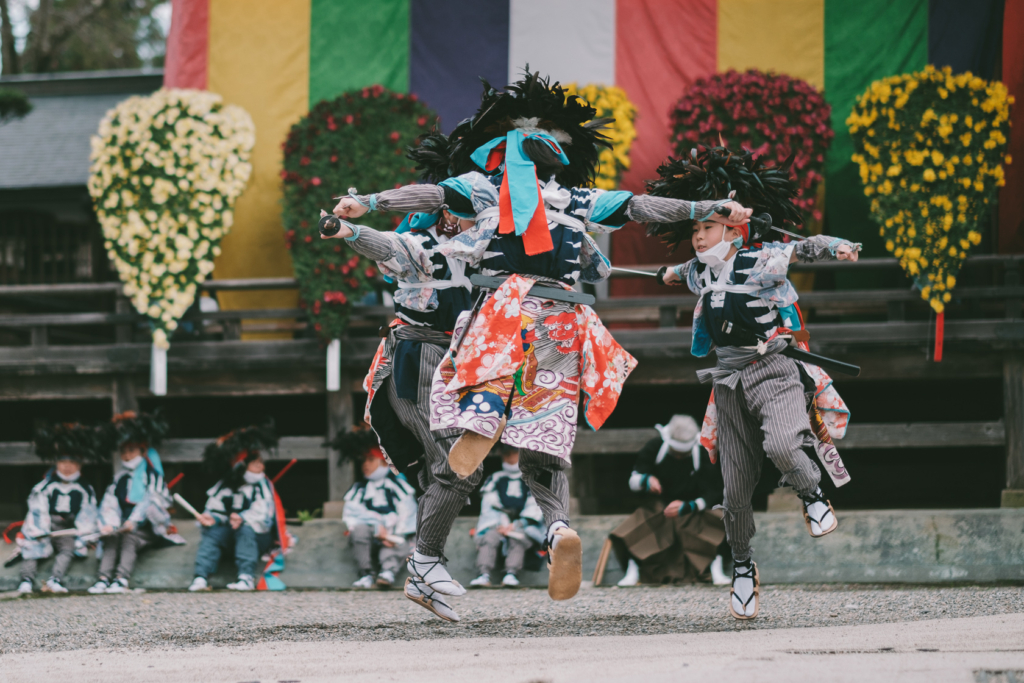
[[607, 442], [670, 310]]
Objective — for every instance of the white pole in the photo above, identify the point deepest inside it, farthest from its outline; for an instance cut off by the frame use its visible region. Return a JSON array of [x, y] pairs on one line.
[[158, 371], [185, 504], [334, 365]]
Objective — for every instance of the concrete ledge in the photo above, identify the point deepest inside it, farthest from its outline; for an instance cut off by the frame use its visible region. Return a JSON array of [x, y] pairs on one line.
[[898, 546]]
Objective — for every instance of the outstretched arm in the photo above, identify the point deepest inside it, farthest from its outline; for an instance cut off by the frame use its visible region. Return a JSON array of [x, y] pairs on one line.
[[825, 248], [647, 209], [399, 256], [427, 198]]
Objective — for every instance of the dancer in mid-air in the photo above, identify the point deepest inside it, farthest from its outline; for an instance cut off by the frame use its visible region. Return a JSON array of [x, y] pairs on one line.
[[433, 290], [521, 170], [746, 312]]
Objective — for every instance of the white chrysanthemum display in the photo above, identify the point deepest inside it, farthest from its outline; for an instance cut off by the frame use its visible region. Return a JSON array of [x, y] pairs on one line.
[[166, 171]]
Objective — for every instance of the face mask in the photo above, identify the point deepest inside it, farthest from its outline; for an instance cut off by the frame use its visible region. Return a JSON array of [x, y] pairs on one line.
[[252, 477], [715, 256], [511, 468], [133, 463], [70, 477], [378, 474]]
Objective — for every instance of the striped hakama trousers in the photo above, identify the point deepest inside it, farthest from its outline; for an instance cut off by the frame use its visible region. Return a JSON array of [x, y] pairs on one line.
[[762, 413], [444, 494]]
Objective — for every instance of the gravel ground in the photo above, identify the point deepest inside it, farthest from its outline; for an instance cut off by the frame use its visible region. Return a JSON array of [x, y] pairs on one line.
[[178, 619]]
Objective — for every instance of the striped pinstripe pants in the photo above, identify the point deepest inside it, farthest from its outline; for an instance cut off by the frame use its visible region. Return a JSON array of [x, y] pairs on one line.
[[765, 414], [545, 475], [444, 494]]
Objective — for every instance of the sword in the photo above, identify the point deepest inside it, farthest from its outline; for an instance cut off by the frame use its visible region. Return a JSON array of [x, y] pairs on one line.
[[761, 223], [634, 272]]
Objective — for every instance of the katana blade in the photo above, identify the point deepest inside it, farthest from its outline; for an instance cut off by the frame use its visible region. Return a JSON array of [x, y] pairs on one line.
[[634, 272]]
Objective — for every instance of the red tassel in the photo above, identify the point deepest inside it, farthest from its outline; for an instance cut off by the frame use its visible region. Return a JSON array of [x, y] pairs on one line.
[[537, 238], [940, 332], [283, 470]]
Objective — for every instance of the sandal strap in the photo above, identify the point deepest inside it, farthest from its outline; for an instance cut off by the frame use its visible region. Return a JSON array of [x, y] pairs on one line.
[[748, 573], [810, 500]]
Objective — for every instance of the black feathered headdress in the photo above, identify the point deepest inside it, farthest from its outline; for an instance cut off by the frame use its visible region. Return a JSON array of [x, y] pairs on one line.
[[712, 173], [225, 458], [354, 444], [433, 158], [130, 427], [70, 441], [534, 104]]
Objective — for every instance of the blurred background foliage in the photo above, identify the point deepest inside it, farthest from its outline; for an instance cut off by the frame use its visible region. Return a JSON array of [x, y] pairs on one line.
[[41, 36]]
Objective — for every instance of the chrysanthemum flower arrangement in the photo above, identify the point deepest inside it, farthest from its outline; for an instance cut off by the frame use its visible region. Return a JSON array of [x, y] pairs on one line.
[[610, 101], [358, 140], [931, 147], [166, 171], [768, 113]]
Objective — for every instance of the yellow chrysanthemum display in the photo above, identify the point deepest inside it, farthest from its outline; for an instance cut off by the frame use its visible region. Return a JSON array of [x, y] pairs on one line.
[[166, 171], [610, 101], [931, 147]]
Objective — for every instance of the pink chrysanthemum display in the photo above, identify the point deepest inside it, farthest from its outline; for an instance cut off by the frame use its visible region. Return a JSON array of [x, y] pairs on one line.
[[767, 113]]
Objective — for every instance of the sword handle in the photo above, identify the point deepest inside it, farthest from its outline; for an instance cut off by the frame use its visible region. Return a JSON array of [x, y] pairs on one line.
[[661, 275], [759, 223]]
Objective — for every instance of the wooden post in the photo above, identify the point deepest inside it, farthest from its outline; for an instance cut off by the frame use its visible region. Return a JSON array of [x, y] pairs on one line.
[[1011, 278], [1013, 411], [122, 398], [122, 332], [39, 336], [339, 419]]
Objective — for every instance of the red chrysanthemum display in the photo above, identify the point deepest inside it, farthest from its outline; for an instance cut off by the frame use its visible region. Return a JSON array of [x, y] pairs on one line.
[[767, 113], [357, 140]]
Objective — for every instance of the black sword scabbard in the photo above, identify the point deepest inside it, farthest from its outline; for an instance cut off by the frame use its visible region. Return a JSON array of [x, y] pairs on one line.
[[827, 364]]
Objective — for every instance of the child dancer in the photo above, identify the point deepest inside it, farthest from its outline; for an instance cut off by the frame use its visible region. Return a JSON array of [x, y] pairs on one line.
[[240, 508], [60, 503], [521, 169], [433, 290], [761, 397], [133, 512]]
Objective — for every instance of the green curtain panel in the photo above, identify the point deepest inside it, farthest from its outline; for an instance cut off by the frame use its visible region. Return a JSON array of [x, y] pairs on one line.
[[864, 41], [356, 43]]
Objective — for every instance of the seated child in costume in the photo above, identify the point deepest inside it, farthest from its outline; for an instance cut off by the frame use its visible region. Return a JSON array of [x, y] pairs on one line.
[[380, 512], [680, 484], [133, 512], [510, 522], [61, 508], [240, 508]]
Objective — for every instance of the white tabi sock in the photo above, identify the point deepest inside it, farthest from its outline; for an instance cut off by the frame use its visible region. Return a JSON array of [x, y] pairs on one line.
[[743, 588], [552, 537], [430, 570]]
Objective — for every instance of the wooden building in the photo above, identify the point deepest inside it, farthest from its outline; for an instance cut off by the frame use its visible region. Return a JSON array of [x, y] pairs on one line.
[[922, 434]]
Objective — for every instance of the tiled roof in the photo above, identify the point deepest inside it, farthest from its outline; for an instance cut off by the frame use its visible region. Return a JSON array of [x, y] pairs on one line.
[[50, 146]]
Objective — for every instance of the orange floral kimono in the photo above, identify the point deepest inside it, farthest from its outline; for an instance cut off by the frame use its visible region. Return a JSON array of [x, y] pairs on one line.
[[530, 358]]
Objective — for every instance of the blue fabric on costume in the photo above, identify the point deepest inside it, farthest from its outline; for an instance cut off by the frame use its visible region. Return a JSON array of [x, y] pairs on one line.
[[607, 204], [463, 187], [137, 487], [417, 221], [406, 369], [520, 171]]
